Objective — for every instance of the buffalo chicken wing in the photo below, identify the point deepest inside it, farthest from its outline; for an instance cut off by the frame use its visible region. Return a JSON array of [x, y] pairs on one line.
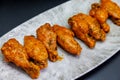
[[48, 37], [101, 15], [87, 29], [36, 51], [14, 52], [65, 39]]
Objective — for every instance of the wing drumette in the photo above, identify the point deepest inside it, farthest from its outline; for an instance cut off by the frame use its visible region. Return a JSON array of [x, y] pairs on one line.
[[14, 52], [48, 37], [36, 50], [66, 40]]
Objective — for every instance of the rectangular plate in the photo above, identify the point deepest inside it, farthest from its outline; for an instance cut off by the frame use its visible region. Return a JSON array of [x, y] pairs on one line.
[[70, 67]]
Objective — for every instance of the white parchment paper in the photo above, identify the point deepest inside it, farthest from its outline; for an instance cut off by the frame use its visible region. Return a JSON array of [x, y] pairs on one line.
[[70, 67]]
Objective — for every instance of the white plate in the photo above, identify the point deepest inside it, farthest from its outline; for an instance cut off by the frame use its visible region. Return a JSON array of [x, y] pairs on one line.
[[70, 67]]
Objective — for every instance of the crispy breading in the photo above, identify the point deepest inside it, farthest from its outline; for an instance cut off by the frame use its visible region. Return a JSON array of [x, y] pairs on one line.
[[112, 8], [105, 9], [105, 26], [93, 29], [65, 39], [14, 52], [101, 15], [36, 51], [81, 31], [48, 37]]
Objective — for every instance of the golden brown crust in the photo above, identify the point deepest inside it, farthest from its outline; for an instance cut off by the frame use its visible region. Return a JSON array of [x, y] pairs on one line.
[[14, 52], [105, 26], [66, 40], [105, 9], [112, 8], [101, 15], [82, 20], [81, 30], [48, 37], [36, 50]]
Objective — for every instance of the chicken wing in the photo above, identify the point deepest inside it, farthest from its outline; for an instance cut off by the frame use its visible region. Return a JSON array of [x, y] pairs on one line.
[[36, 51], [14, 52], [101, 15], [112, 8], [94, 29], [48, 37], [81, 30], [66, 40]]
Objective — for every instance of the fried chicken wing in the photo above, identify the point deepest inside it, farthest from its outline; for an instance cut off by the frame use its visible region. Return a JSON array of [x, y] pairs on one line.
[[105, 9], [112, 8], [48, 37], [36, 51], [81, 30], [66, 40], [14, 52], [101, 15], [93, 28]]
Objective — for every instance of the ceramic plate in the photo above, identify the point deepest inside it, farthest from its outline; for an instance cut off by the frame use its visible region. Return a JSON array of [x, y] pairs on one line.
[[70, 67]]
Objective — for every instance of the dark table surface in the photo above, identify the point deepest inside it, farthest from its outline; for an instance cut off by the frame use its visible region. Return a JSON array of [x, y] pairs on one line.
[[15, 12]]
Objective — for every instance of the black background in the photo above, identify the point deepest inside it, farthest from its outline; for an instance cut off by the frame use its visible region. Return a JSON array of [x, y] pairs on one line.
[[15, 12]]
